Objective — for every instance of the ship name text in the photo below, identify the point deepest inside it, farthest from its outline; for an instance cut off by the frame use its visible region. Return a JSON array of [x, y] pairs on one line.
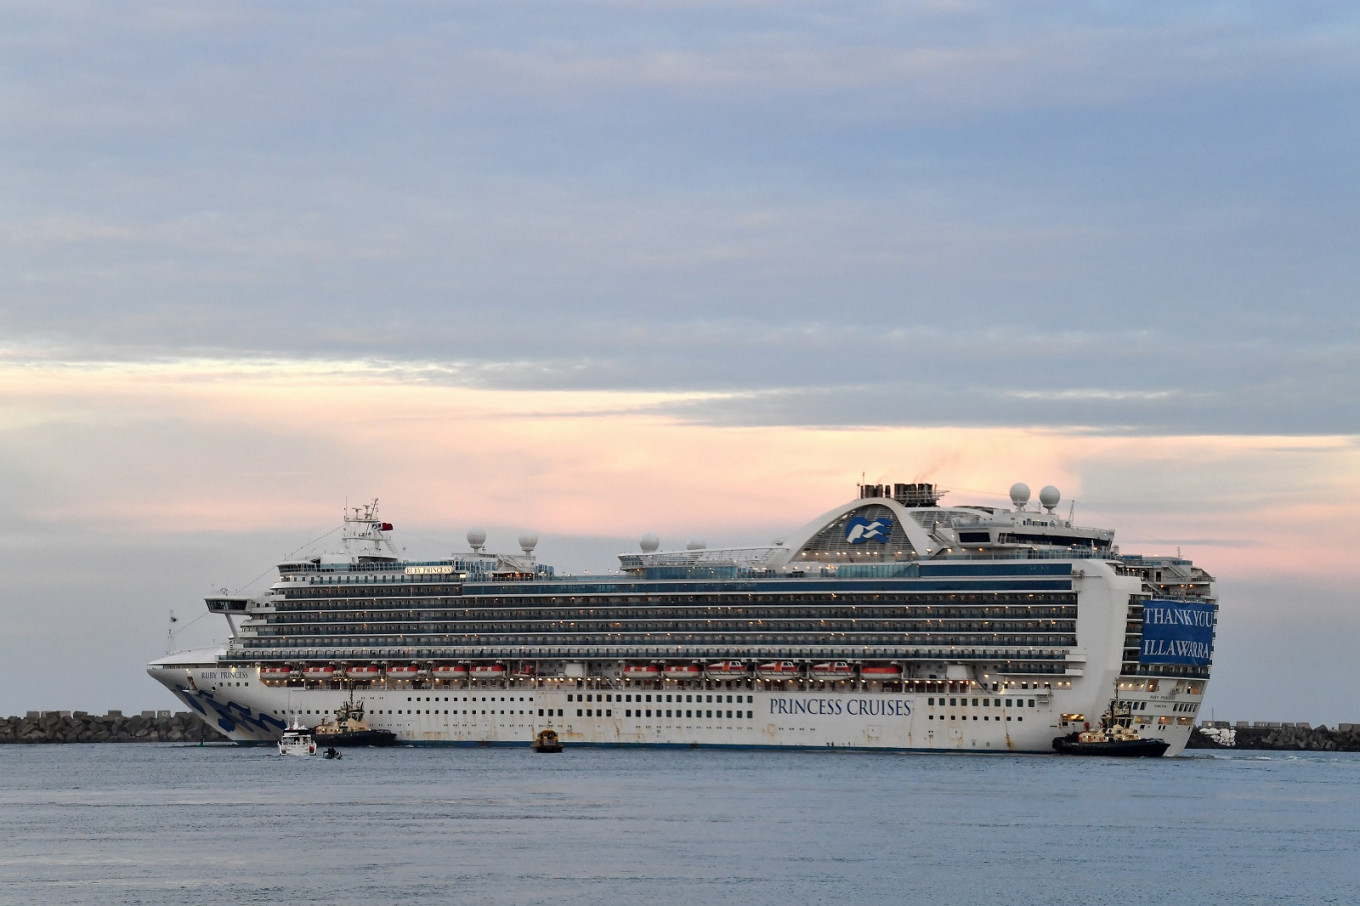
[[1178, 648], [853, 707]]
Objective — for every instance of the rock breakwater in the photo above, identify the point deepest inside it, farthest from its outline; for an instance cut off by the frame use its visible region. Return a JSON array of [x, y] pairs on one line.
[[78, 726], [1278, 737]]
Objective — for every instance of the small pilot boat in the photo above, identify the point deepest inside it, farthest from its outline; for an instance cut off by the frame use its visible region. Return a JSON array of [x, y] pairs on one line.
[[297, 740], [547, 742]]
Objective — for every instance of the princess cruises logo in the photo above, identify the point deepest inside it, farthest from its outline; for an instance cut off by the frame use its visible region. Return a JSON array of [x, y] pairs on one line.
[[861, 529]]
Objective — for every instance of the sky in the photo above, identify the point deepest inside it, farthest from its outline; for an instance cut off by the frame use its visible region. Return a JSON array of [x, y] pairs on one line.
[[606, 268]]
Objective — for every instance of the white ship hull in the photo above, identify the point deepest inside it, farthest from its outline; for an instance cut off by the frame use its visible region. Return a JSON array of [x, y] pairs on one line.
[[1022, 721]]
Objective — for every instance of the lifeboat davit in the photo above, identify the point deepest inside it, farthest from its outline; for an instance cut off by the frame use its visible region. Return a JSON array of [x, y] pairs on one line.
[[367, 672], [777, 670], [450, 672], [318, 673], [642, 671], [275, 674], [682, 671], [488, 671], [726, 669], [833, 670], [403, 672], [883, 673]]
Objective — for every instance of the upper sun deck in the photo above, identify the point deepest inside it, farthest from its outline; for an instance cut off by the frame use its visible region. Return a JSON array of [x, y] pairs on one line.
[[903, 523], [886, 532]]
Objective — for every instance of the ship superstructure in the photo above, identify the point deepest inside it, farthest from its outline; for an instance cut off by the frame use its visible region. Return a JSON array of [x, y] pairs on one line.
[[888, 622]]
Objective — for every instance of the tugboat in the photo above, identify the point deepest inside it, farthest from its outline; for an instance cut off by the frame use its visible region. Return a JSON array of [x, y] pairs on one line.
[[546, 741], [297, 740], [1115, 736], [350, 729]]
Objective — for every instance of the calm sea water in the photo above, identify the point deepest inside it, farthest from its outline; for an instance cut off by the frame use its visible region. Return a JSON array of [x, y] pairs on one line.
[[163, 824]]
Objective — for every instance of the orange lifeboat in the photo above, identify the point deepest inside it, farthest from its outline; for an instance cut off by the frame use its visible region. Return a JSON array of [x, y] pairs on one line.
[[488, 671], [883, 673], [450, 672], [726, 670], [406, 672], [832, 670], [276, 674], [363, 672], [777, 670], [642, 671], [314, 672], [682, 671]]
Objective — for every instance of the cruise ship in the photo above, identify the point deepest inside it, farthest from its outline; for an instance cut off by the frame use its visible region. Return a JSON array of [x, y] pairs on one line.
[[890, 622]]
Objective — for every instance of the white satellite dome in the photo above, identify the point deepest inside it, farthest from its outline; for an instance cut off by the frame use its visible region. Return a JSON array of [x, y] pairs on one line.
[[476, 538], [1019, 495], [695, 544], [527, 542], [1049, 497], [649, 543]]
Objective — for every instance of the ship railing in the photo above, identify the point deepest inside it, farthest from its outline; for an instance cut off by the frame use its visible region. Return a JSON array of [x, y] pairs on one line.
[[1058, 656]]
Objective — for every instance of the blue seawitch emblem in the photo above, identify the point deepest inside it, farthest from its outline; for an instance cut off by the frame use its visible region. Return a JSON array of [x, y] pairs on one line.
[[861, 529]]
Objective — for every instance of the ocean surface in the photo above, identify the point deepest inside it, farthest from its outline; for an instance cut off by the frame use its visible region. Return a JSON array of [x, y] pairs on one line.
[[175, 824]]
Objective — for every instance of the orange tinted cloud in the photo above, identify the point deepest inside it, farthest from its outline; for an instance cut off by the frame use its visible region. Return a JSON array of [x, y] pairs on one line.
[[220, 446]]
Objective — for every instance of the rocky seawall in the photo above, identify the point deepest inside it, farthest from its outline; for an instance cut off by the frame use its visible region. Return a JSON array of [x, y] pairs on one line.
[[1278, 737], [77, 726]]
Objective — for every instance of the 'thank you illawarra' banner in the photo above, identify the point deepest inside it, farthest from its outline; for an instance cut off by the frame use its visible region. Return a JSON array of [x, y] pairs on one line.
[[1177, 632]]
